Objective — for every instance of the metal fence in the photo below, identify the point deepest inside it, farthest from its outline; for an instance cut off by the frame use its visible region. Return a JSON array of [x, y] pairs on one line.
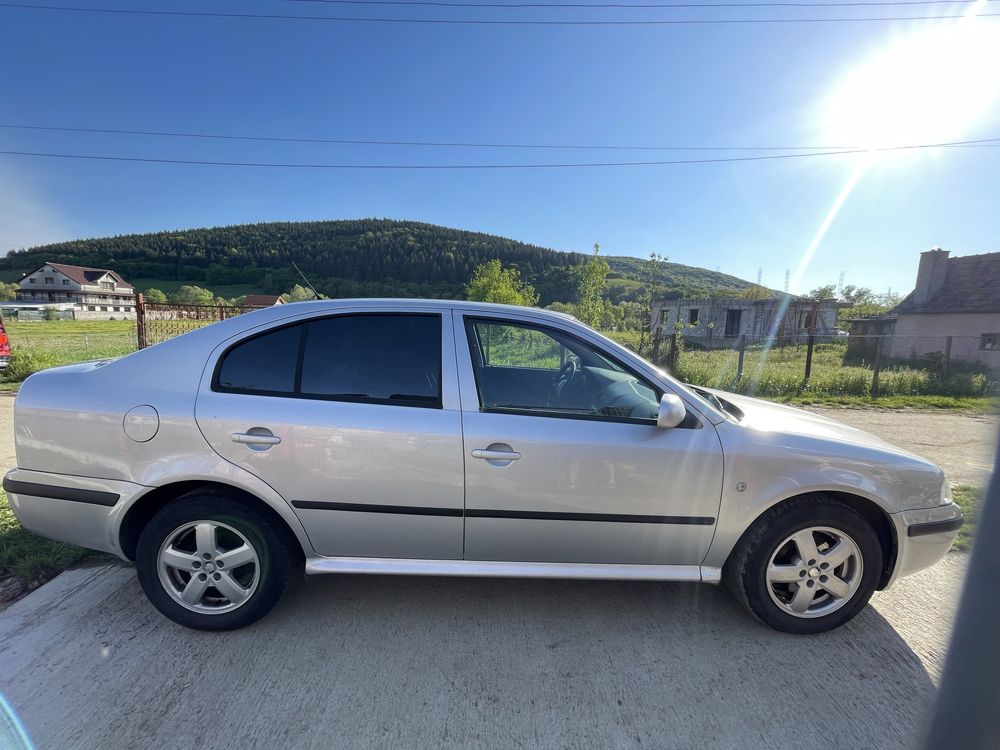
[[156, 322], [852, 365]]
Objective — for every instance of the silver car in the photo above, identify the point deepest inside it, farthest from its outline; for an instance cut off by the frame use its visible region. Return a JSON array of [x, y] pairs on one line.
[[456, 438]]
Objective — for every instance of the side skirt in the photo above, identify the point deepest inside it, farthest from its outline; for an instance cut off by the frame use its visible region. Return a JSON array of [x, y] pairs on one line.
[[490, 569]]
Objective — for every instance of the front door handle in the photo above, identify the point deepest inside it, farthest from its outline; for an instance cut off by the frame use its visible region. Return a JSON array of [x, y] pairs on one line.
[[263, 438], [494, 455]]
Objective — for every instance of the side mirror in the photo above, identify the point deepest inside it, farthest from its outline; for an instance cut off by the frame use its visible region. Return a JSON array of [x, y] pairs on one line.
[[671, 413]]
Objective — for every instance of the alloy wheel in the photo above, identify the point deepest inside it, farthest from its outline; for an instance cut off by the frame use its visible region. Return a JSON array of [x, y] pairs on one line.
[[208, 567], [814, 572]]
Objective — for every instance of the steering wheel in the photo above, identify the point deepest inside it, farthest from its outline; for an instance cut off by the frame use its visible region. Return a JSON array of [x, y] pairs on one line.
[[565, 377]]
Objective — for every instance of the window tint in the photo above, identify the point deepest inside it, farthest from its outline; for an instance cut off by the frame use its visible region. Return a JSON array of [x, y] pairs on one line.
[[523, 368], [393, 359], [381, 357], [263, 364]]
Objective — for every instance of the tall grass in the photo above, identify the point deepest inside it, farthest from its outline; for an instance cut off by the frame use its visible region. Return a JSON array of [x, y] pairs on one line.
[[780, 373]]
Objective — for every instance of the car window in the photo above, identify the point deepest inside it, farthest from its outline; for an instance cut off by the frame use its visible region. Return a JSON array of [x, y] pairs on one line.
[[539, 370], [517, 346], [263, 364], [376, 357], [381, 358]]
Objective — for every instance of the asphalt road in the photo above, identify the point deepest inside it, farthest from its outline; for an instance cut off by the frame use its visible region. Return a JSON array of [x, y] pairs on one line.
[[421, 662]]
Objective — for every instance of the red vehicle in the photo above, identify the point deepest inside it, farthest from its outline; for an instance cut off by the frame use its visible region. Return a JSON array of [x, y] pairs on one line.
[[4, 346]]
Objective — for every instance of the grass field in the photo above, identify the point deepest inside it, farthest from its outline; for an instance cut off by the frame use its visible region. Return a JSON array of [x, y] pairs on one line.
[[48, 343]]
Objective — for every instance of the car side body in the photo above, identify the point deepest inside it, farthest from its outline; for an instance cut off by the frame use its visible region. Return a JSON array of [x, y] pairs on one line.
[[449, 484]]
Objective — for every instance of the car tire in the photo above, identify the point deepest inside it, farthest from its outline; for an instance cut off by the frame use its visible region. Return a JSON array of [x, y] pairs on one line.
[[812, 593], [182, 557]]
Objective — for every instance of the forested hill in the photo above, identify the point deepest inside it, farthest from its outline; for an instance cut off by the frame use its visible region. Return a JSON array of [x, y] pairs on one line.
[[357, 258]]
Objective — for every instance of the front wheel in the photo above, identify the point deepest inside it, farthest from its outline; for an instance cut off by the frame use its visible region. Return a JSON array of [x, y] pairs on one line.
[[210, 562], [807, 566]]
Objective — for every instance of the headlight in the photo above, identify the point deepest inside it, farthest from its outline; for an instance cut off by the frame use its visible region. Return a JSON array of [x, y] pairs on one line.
[[946, 498]]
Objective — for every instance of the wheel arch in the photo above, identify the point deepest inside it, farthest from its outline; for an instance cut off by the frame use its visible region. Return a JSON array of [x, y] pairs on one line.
[[142, 510], [867, 508]]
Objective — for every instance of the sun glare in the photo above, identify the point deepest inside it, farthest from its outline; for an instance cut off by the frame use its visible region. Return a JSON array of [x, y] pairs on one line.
[[928, 86]]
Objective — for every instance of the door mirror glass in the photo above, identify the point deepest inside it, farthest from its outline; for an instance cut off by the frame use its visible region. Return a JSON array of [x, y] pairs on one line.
[[671, 413]]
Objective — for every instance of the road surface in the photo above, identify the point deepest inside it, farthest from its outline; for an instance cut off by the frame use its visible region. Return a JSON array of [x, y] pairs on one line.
[[462, 663]]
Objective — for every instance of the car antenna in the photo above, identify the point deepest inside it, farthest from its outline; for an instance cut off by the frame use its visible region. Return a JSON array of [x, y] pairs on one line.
[[306, 280]]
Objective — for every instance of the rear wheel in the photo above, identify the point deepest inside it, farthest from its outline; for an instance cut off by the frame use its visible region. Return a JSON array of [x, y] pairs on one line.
[[807, 566], [212, 563]]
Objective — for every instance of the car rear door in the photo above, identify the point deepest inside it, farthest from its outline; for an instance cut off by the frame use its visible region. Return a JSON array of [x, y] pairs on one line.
[[353, 417], [565, 474]]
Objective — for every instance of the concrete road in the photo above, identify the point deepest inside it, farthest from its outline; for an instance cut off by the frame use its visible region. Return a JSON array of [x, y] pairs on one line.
[[461, 663], [420, 662]]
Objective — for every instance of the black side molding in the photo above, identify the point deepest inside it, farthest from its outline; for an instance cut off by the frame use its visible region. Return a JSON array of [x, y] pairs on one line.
[[366, 508], [935, 527], [601, 517], [522, 514], [73, 494]]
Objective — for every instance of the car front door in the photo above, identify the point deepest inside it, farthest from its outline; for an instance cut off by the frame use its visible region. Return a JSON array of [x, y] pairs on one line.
[[564, 462], [354, 419]]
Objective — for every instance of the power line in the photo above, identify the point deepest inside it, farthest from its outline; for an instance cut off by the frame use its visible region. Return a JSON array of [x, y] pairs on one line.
[[984, 143], [447, 144], [640, 6], [478, 21]]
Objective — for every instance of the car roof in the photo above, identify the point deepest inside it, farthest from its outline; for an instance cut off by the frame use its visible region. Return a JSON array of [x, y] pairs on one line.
[[391, 302]]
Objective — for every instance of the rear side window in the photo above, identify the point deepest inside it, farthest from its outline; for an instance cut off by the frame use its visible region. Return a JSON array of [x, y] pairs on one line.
[[391, 358], [264, 364], [376, 358]]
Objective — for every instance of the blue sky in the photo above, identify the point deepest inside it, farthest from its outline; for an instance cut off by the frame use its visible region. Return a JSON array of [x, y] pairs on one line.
[[720, 85]]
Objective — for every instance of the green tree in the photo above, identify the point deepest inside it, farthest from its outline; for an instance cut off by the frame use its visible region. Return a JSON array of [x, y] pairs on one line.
[[590, 309], [298, 293], [652, 279], [8, 291], [828, 291], [564, 307], [193, 295], [491, 282], [155, 296]]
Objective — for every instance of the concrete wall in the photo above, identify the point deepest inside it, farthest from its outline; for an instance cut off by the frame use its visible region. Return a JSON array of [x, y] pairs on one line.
[[919, 335], [755, 319]]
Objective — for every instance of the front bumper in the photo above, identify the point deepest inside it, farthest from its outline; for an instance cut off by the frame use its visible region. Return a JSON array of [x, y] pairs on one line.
[[80, 510], [924, 537]]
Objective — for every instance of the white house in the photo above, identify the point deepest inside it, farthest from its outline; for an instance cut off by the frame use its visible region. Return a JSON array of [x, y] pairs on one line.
[[91, 293]]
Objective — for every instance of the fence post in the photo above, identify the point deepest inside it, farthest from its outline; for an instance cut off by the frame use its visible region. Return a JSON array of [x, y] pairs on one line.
[[739, 362], [140, 321], [947, 357], [672, 354], [877, 367], [811, 341], [809, 354], [86, 343], [222, 312], [655, 351]]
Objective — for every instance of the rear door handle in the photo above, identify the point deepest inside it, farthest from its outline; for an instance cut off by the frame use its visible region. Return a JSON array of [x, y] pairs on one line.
[[250, 439], [491, 455]]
